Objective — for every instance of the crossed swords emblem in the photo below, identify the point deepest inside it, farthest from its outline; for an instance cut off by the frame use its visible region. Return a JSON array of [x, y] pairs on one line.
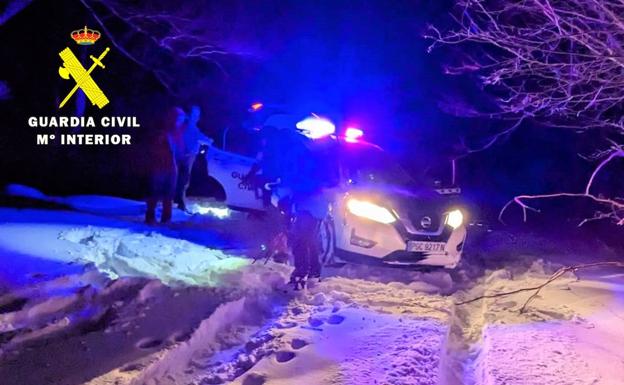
[[82, 77]]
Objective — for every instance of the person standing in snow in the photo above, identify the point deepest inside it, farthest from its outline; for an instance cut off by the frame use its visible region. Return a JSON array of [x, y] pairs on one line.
[[303, 173], [186, 151], [267, 171], [161, 164], [269, 162], [307, 176]]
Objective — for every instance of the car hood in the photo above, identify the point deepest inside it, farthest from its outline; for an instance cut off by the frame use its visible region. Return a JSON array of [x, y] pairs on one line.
[[401, 195], [411, 204]]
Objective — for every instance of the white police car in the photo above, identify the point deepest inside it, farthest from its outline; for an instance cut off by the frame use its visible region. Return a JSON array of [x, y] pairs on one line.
[[378, 213]]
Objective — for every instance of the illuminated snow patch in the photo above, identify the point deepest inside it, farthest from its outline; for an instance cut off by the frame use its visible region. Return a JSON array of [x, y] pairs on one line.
[[119, 252], [217, 212]]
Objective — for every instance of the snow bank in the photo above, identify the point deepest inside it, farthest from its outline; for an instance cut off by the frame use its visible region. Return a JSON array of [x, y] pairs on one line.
[[344, 331], [116, 286], [98, 204], [354, 346], [120, 252], [95, 204], [533, 355], [108, 205], [129, 305], [19, 190], [204, 338], [566, 336], [434, 282]]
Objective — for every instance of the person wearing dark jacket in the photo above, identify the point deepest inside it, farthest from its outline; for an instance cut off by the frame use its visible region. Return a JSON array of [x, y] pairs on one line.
[[161, 164], [302, 167], [301, 164], [307, 177], [186, 150]]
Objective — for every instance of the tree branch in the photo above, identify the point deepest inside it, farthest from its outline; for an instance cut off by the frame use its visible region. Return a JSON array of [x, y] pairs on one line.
[[558, 62], [538, 288], [12, 8]]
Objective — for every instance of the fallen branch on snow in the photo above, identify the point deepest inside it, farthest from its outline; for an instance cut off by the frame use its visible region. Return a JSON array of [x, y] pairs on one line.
[[616, 206], [538, 288]]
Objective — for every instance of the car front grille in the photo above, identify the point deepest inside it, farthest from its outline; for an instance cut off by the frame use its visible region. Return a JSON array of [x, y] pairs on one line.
[[425, 221]]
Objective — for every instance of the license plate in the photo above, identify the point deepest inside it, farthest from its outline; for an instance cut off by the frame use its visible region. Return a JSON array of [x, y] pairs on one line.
[[449, 191], [426, 246]]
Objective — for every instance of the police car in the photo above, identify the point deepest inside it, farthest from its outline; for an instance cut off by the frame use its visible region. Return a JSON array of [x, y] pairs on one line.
[[378, 213]]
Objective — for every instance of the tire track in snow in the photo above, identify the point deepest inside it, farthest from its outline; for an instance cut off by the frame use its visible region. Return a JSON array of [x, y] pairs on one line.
[[490, 342], [354, 331], [462, 343]]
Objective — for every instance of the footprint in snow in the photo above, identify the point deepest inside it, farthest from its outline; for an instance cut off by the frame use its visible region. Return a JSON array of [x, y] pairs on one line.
[[298, 343], [335, 319], [285, 325], [13, 305], [254, 379], [148, 343], [284, 356], [553, 314], [508, 304], [315, 322], [214, 380], [180, 336], [131, 367]]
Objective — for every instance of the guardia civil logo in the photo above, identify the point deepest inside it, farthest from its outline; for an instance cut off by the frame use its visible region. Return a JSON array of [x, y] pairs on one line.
[[72, 68]]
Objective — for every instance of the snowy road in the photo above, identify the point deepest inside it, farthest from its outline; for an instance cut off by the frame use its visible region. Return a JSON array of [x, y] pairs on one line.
[[91, 299]]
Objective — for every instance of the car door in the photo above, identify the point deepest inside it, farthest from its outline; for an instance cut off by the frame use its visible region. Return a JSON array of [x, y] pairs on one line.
[[229, 169]]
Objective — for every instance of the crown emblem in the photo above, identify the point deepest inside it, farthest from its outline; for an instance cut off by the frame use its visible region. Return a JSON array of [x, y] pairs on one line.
[[85, 36]]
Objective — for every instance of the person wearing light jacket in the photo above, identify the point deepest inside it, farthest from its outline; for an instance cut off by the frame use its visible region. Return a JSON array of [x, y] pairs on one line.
[[186, 149]]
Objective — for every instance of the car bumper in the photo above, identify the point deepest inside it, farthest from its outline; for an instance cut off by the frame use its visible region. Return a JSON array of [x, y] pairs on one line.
[[358, 238]]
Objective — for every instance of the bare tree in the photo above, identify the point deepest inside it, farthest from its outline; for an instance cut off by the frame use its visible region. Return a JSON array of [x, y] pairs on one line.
[[556, 62], [10, 8], [164, 36]]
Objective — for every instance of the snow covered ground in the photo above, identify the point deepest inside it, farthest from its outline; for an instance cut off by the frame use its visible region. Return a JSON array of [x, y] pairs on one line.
[[89, 295]]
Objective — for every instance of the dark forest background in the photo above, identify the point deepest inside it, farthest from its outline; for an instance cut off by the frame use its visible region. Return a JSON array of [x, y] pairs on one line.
[[361, 62]]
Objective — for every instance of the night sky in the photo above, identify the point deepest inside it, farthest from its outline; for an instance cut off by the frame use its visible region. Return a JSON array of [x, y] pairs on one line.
[[361, 63]]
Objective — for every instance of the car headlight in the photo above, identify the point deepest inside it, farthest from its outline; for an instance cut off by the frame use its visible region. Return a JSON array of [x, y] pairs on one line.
[[455, 218], [370, 211]]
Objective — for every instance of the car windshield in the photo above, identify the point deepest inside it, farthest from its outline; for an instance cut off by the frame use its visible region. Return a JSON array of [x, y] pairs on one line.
[[369, 164]]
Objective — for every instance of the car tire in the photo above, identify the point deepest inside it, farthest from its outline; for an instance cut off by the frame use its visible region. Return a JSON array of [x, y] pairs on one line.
[[207, 187]]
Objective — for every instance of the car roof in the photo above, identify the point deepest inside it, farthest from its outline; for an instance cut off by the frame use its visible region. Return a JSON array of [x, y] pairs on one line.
[[358, 145]]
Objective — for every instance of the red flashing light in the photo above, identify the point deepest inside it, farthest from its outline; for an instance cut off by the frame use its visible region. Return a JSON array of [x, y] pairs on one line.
[[256, 107], [352, 134]]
